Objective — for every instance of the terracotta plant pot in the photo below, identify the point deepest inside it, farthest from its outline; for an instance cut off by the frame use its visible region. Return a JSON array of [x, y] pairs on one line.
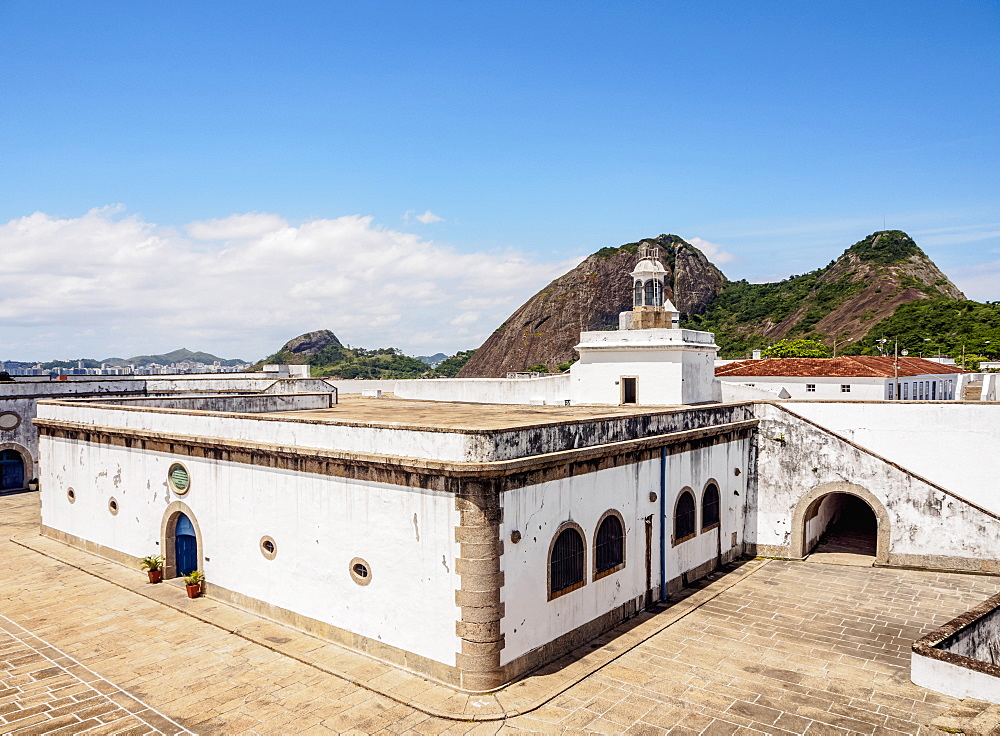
[[155, 576], [193, 590]]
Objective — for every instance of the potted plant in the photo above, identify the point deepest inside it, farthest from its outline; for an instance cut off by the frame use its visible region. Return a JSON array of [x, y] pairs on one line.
[[153, 565], [193, 583], [33, 484]]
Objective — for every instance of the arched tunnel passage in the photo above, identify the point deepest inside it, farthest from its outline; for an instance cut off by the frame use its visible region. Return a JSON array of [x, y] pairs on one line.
[[842, 523]]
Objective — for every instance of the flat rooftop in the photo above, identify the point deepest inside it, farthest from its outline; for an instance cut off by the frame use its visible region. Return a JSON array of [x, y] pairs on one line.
[[395, 413]]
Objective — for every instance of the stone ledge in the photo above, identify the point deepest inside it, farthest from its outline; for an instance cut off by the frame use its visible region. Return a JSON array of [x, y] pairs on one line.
[[518, 698]]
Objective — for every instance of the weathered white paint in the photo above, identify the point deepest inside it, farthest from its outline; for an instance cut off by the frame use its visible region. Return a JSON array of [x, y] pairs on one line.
[[794, 457], [671, 366], [318, 522], [537, 511], [956, 445], [952, 679], [337, 431]]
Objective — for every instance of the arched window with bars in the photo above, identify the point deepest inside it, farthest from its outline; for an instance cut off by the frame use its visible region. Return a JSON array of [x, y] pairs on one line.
[[567, 559], [684, 517], [609, 545], [637, 294], [710, 507]]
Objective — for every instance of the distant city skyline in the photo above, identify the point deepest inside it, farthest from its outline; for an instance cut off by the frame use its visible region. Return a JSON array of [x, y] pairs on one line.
[[227, 177]]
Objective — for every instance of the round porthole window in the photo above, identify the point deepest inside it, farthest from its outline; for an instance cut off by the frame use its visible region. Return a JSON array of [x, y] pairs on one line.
[[71, 495], [268, 547], [9, 420], [179, 479], [361, 571], [113, 506]]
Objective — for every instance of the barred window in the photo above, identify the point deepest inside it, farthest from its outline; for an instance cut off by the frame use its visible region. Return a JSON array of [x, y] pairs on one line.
[[566, 562], [609, 550], [637, 296], [684, 516], [710, 506]]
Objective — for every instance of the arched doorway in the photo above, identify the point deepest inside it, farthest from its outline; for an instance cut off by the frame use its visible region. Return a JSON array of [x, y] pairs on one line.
[[11, 470], [841, 519], [182, 542], [185, 545], [850, 526]]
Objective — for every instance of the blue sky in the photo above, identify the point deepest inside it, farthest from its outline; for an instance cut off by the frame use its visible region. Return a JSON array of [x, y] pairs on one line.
[[526, 133]]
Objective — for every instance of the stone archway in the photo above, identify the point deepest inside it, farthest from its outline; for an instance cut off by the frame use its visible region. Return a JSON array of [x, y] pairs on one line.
[[806, 507], [168, 537], [26, 461]]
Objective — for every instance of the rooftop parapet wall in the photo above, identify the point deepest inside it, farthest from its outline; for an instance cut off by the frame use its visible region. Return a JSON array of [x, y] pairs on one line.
[[961, 658], [237, 403], [424, 430], [657, 338]]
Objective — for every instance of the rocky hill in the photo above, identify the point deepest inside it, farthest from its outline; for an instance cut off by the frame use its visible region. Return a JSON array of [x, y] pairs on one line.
[[841, 301], [319, 347], [547, 327]]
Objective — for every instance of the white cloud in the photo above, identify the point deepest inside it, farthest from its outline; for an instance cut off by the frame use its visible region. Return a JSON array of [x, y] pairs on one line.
[[980, 282], [265, 282], [713, 251], [426, 218], [234, 227], [465, 318]]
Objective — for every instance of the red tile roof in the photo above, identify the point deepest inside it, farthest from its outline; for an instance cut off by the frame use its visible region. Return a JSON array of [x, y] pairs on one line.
[[848, 366]]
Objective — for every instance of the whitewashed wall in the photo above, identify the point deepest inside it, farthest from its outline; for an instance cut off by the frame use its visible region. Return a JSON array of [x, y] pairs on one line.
[[537, 511], [672, 366], [318, 522], [554, 390], [956, 445], [862, 389], [795, 457]]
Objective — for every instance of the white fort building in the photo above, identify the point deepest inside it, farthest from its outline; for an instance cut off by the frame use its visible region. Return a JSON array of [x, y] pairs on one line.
[[473, 530]]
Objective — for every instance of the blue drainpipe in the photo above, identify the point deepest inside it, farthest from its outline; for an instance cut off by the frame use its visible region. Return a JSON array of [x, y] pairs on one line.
[[663, 523]]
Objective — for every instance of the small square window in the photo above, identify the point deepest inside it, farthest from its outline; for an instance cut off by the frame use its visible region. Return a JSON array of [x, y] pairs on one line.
[[845, 388], [810, 387]]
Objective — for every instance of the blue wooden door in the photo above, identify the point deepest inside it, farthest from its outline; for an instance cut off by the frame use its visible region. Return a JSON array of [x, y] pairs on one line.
[[185, 546], [11, 470]]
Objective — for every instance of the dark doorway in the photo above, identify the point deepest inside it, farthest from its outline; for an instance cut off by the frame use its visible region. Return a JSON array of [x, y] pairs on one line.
[[628, 390], [11, 470], [852, 526], [185, 545]]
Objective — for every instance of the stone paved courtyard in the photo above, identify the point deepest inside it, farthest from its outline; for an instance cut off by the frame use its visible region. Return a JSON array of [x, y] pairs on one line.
[[790, 648]]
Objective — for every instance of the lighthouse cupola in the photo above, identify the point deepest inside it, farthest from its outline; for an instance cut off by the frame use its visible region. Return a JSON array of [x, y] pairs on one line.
[[650, 307]]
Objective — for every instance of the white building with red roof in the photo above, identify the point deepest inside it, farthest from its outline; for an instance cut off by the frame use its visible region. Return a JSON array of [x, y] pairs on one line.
[[849, 378]]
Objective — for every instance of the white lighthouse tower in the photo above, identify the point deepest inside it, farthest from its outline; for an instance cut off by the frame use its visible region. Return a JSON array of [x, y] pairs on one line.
[[648, 360]]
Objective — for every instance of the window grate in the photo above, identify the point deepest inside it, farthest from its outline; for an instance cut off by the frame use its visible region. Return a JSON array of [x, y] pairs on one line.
[[609, 550], [684, 516], [710, 506], [567, 560]]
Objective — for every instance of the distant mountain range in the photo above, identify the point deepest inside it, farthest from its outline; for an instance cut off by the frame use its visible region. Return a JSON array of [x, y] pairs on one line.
[[329, 357], [839, 303], [174, 356]]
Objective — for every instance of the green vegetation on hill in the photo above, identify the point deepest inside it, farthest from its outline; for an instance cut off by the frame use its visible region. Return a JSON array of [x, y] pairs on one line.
[[741, 304], [361, 363], [800, 348], [935, 326], [343, 361], [886, 248], [451, 366]]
